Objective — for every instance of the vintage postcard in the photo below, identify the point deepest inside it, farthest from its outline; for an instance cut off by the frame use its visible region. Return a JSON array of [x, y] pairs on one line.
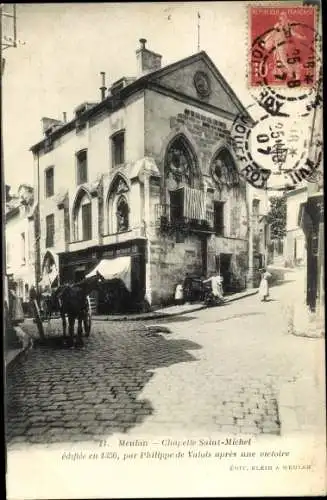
[[164, 249]]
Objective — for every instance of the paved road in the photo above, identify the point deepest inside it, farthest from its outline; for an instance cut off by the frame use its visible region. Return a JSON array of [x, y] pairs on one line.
[[219, 369]]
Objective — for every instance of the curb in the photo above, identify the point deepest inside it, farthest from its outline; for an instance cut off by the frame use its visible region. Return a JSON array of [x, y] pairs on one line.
[[163, 315]]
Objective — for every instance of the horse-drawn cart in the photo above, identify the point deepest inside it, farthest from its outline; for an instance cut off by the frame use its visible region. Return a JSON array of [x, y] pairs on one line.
[[50, 306]]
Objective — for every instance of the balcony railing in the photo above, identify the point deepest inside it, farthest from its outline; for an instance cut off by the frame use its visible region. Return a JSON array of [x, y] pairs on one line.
[[169, 216]]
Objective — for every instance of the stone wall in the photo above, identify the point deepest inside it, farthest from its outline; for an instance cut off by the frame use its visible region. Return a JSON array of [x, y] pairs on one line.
[[172, 258], [170, 261]]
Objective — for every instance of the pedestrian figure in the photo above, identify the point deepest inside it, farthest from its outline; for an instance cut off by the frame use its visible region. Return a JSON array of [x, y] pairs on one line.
[[179, 295], [187, 292], [264, 286], [216, 282], [15, 306]]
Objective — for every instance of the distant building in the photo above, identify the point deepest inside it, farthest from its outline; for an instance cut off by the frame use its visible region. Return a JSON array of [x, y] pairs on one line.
[[148, 174], [295, 244], [20, 243]]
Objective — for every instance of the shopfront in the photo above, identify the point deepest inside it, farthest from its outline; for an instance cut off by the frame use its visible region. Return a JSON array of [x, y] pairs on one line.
[[120, 292]]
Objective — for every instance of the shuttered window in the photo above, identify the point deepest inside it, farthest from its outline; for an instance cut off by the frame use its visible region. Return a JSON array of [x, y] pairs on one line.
[[50, 230], [81, 167], [49, 182], [219, 218], [118, 148], [86, 221]]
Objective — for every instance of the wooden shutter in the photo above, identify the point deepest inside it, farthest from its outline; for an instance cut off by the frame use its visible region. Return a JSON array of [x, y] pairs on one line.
[[87, 222]]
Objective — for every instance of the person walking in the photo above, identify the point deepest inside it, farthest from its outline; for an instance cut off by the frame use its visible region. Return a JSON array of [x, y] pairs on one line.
[[179, 295], [264, 286], [15, 306]]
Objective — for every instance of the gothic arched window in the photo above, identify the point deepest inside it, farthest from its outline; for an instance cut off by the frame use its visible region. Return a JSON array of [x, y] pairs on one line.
[[122, 214], [224, 171], [180, 161], [118, 206], [82, 217]]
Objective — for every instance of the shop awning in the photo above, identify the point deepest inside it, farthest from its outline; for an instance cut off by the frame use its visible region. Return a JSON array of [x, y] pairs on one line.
[[118, 268]]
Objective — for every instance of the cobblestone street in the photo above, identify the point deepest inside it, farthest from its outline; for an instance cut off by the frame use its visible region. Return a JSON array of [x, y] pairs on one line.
[[219, 369]]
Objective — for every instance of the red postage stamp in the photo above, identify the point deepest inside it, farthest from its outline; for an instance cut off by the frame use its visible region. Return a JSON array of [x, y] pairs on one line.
[[282, 46]]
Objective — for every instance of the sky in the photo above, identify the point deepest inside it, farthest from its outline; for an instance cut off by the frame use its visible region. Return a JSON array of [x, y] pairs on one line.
[[65, 46]]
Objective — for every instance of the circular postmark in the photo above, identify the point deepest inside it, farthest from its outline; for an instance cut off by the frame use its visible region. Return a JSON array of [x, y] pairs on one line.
[[275, 152]]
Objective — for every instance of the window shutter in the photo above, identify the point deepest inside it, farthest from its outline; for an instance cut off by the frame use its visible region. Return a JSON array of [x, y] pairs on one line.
[[50, 230], [219, 218], [87, 221]]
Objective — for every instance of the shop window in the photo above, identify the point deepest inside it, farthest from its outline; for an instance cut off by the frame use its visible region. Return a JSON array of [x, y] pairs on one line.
[[218, 218], [81, 158], [118, 148], [50, 230], [49, 182]]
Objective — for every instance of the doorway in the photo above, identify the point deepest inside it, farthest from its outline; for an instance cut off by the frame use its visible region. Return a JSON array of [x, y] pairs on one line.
[[79, 275], [204, 255], [223, 265]]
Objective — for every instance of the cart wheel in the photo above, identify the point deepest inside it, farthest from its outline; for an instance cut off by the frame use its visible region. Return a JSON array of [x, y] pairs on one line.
[[87, 323]]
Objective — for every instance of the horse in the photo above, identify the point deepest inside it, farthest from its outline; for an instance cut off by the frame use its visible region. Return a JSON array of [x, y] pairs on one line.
[[72, 300]]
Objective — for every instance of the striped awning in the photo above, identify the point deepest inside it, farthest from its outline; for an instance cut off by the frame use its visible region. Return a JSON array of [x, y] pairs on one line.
[[194, 203]]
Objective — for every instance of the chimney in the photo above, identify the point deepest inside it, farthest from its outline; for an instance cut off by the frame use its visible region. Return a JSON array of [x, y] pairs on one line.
[[147, 60], [64, 117], [103, 87]]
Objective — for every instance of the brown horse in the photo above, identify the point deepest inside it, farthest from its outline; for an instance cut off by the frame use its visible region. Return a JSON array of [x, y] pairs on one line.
[[72, 300]]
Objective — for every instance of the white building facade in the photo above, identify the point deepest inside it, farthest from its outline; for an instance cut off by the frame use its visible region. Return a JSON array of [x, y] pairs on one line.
[[20, 241]]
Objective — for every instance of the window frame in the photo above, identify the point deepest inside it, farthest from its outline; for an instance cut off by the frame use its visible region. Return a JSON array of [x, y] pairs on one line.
[[113, 139], [48, 194], [121, 199], [86, 229], [219, 231], [78, 220], [79, 181], [49, 238], [176, 206]]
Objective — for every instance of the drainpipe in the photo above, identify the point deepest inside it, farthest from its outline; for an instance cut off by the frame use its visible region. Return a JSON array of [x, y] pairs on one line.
[[250, 262], [37, 226], [148, 290], [3, 191]]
